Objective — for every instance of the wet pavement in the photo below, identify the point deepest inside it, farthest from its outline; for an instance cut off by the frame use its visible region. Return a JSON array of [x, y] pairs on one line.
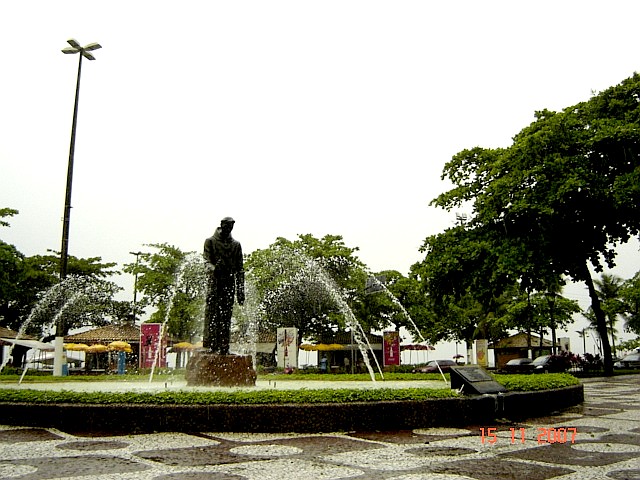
[[598, 440]]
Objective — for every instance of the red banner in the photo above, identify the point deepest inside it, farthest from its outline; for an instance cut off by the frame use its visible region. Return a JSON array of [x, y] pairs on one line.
[[391, 348], [149, 344]]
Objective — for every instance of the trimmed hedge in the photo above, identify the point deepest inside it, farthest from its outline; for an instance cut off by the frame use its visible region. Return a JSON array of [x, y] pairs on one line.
[[240, 397], [271, 410]]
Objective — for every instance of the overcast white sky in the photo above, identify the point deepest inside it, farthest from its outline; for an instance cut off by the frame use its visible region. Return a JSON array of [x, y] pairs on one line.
[[331, 117]]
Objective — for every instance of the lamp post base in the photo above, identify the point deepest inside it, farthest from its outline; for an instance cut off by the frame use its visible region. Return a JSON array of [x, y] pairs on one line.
[[60, 368]]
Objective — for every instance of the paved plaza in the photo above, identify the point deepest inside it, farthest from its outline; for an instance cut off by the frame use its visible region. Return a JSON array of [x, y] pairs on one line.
[[598, 440]]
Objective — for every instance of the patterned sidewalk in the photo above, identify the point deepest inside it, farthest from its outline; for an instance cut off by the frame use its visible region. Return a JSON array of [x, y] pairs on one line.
[[598, 440]]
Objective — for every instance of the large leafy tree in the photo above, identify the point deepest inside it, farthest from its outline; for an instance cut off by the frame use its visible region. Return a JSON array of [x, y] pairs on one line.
[[465, 278], [172, 283], [609, 288], [540, 311], [12, 305], [630, 294], [30, 282], [394, 299], [562, 196], [301, 283]]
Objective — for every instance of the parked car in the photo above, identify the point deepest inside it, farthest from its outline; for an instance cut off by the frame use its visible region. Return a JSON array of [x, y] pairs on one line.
[[629, 361], [432, 367], [518, 365], [550, 364]]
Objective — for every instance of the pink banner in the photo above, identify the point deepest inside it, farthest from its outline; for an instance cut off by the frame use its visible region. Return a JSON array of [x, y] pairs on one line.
[[391, 348], [149, 343]]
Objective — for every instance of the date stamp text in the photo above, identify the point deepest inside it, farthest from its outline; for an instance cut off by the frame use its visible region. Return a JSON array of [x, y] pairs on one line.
[[543, 435]]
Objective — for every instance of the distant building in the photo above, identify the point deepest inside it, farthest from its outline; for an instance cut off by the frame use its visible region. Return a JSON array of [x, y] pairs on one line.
[[520, 345]]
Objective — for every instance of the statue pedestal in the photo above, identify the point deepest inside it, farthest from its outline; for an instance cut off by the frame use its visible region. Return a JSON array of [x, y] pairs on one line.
[[210, 369]]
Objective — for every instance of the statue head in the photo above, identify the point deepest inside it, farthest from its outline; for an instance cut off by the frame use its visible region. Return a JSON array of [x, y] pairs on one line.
[[226, 225]]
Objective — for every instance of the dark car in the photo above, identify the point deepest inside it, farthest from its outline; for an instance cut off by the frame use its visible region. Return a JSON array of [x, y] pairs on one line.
[[431, 367], [629, 361], [550, 364], [518, 365]]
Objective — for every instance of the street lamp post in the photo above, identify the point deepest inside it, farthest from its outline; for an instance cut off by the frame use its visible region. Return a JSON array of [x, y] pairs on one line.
[[135, 285], [64, 251]]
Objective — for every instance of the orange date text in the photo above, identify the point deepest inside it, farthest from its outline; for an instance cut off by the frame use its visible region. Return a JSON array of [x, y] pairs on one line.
[[519, 435]]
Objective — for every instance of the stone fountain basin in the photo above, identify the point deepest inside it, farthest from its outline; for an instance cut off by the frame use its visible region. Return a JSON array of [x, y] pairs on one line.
[[471, 410]]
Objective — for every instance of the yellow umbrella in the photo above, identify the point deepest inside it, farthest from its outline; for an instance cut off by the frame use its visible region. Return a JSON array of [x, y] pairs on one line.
[[182, 346], [308, 347], [76, 347], [330, 346], [119, 345], [97, 348]]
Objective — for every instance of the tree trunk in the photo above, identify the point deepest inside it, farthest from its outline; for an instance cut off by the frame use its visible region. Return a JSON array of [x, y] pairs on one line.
[[613, 337], [601, 322], [554, 349], [540, 344]]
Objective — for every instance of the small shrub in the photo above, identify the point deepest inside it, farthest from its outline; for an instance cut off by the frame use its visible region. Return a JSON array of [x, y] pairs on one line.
[[526, 383]]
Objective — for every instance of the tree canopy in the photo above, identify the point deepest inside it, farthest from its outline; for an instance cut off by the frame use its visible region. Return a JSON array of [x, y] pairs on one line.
[[554, 203], [172, 282], [25, 281], [296, 282]]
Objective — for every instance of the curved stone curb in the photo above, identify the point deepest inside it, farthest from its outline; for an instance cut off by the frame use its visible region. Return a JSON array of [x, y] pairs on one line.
[[301, 418], [521, 405]]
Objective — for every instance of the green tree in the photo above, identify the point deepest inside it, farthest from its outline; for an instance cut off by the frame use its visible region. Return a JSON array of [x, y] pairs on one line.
[[77, 301], [465, 277], [630, 295], [24, 282], [609, 288], [298, 283], [394, 299], [14, 302], [562, 196], [171, 282], [6, 212]]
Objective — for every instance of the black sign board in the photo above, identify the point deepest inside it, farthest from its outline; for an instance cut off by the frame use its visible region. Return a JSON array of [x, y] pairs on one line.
[[474, 379]]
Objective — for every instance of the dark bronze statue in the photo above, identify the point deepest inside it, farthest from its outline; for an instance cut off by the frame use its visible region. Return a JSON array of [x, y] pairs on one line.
[[225, 279]]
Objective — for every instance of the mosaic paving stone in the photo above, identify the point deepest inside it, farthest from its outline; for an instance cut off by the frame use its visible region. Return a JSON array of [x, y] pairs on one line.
[[293, 469], [563, 454], [387, 459], [27, 435], [199, 476], [553, 419], [624, 474], [493, 468], [588, 429], [631, 438], [89, 446], [235, 452], [595, 411], [269, 450], [399, 437], [440, 451], [90, 465], [607, 446], [325, 445], [186, 457], [431, 476]]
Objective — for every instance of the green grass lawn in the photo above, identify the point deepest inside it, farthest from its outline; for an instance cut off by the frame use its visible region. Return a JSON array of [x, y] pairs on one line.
[[262, 396]]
